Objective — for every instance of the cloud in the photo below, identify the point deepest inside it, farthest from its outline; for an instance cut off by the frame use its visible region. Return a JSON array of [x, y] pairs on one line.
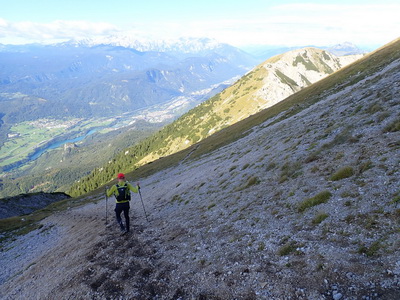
[[56, 30], [297, 24], [316, 23], [287, 24]]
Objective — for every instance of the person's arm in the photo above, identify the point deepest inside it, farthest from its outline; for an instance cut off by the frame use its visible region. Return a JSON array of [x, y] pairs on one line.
[[134, 189], [111, 191]]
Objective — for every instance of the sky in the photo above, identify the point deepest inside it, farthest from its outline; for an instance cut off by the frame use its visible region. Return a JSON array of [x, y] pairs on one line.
[[239, 23]]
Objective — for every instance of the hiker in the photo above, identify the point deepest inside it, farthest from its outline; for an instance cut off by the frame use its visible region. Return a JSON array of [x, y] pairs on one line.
[[122, 192]]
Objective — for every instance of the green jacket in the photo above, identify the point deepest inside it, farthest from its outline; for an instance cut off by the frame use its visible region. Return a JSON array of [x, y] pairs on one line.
[[114, 190]]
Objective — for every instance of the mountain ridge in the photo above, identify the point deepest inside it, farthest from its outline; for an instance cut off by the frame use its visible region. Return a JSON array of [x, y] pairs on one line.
[[186, 45]]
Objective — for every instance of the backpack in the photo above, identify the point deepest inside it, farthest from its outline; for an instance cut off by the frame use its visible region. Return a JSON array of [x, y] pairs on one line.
[[123, 193]]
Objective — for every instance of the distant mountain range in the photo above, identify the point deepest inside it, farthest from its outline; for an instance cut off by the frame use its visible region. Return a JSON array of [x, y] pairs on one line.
[[180, 46], [103, 77], [197, 46], [86, 79]]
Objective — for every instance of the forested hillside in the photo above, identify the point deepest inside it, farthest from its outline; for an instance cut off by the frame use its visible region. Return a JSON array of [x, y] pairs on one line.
[[57, 169]]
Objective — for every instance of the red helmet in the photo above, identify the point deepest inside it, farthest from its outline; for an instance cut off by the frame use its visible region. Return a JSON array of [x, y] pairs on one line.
[[121, 176]]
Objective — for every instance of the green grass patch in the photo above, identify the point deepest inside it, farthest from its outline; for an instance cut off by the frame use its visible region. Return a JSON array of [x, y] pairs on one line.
[[211, 206], [252, 180], [396, 198], [370, 251], [320, 198], [232, 168], [319, 218], [177, 198], [261, 246], [392, 127], [285, 79], [245, 166], [366, 166], [342, 173], [290, 170], [288, 248], [307, 63], [374, 108]]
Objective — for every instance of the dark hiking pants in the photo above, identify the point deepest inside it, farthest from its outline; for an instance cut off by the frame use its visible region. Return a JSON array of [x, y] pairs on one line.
[[119, 208]]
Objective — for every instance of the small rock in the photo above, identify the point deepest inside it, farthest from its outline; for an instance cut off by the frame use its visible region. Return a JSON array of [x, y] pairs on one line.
[[337, 296]]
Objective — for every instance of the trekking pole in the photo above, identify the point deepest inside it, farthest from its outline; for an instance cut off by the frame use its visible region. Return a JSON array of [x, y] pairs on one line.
[[106, 206], [140, 194]]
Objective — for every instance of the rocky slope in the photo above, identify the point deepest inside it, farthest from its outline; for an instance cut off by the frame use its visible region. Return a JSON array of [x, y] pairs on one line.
[[303, 206], [295, 70], [27, 203]]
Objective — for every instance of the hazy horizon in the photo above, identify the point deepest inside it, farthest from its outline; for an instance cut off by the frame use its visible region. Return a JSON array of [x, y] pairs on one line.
[[241, 24]]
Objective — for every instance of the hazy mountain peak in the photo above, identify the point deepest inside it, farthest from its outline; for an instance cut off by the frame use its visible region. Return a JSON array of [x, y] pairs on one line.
[[346, 48], [183, 44], [300, 68]]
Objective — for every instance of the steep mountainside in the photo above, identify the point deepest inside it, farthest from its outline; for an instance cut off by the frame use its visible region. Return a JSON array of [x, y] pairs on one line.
[[25, 204], [299, 201], [266, 85], [273, 81]]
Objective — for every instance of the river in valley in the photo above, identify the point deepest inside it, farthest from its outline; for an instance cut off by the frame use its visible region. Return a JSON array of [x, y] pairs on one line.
[[55, 145]]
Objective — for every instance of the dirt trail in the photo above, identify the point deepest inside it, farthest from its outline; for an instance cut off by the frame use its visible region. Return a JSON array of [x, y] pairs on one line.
[[92, 260]]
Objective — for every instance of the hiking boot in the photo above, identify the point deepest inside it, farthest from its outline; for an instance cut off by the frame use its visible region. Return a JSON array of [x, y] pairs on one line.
[[121, 225]]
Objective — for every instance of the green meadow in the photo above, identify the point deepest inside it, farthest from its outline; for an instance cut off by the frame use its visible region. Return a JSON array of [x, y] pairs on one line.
[[26, 137]]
